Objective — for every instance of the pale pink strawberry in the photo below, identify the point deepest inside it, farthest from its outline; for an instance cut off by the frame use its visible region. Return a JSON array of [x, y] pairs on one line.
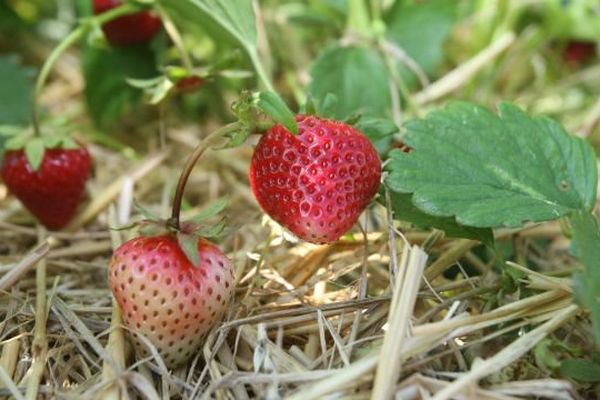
[[167, 299]]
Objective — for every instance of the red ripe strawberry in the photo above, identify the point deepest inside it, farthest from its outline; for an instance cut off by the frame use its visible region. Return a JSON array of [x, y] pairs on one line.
[[129, 29], [579, 51], [52, 192], [189, 84], [166, 298], [315, 184]]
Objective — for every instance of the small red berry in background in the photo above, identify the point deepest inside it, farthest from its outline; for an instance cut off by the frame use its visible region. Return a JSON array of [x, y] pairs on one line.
[[128, 30], [53, 192], [578, 52], [189, 84]]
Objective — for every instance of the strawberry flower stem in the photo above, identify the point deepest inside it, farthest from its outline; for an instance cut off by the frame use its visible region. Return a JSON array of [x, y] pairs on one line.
[[83, 28], [210, 140]]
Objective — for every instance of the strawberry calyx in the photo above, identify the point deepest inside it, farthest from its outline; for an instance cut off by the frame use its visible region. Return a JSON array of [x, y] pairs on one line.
[[34, 146], [187, 232]]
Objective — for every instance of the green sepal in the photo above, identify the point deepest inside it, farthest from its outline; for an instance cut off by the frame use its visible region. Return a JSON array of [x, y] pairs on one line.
[[309, 107], [328, 106], [16, 142], [211, 211], [148, 215], [212, 231], [189, 245], [9, 131], [237, 137], [145, 83], [34, 151], [272, 105], [150, 227]]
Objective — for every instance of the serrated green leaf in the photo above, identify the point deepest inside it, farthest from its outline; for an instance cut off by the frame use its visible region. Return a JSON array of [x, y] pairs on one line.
[[34, 151], [214, 209], [357, 77], [189, 245], [492, 170], [272, 105], [16, 82], [586, 246], [404, 210], [580, 370]]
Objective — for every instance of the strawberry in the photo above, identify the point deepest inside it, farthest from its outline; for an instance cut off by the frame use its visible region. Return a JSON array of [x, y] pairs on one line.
[[164, 297], [578, 52], [317, 183], [189, 84], [129, 29], [52, 192]]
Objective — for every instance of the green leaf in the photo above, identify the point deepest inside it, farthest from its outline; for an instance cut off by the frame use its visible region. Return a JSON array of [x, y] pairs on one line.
[[580, 370], [34, 151], [272, 105], [189, 245], [227, 22], [16, 82], [356, 76], [235, 17], [421, 29], [214, 209], [403, 209], [108, 95], [586, 246], [492, 171]]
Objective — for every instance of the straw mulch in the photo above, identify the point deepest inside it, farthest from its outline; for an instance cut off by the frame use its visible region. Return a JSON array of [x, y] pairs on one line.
[[388, 311]]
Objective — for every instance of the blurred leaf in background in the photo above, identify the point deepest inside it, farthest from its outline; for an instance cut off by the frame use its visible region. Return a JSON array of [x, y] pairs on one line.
[[106, 70], [16, 91], [358, 78], [420, 29]]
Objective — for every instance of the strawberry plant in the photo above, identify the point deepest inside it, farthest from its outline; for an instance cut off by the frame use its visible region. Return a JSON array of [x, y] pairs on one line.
[[395, 197]]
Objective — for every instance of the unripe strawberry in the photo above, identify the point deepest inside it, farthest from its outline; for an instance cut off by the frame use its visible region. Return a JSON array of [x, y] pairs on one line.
[[317, 183], [167, 299], [53, 192], [127, 30]]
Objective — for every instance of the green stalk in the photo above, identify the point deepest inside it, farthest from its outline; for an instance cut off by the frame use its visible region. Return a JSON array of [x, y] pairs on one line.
[[65, 44], [359, 20]]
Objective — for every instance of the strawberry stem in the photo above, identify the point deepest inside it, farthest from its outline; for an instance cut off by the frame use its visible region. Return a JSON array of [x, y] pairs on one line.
[[208, 141], [64, 45]]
